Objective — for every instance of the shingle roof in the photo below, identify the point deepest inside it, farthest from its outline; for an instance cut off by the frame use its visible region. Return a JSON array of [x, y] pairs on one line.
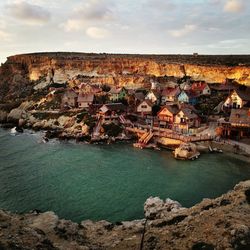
[[171, 108], [189, 113], [243, 94], [241, 116], [171, 91], [85, 98]]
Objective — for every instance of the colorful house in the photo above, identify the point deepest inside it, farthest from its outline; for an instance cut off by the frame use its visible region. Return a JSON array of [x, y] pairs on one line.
[[187, 97], [185, 119], [166, 115], [238, 125], [153, 96], [111, 111], [116, 94], [237, 99], [200, 88], [145, 107], [170, 95]]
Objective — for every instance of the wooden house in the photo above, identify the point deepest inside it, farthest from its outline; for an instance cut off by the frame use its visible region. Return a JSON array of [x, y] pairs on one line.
[[187, 97], [153, 96], [170, 95], [85, 100], [69, 99], [86, 88], [145, 107], [111, 111], [185, 119], [166, 116], [116, 94], [238, 125], [200, 88], [237, 99]]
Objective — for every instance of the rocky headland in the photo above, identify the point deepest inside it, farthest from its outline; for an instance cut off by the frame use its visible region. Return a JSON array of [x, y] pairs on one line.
[[221, 223], [21, 74]]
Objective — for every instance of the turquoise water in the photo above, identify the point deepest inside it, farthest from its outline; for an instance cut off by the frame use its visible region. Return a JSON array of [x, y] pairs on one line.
[[80, 181]]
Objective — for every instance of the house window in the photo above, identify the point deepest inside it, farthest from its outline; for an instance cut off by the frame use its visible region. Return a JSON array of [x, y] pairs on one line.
[[143, 106]]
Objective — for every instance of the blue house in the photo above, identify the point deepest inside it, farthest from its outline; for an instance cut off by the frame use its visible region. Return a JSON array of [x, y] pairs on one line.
[[187, 97]]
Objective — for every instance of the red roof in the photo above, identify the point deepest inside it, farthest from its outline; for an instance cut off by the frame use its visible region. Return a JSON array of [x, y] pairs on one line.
[[171, 91], [198, 86]]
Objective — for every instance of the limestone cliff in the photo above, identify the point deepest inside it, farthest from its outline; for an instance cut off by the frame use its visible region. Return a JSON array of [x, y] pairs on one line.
[[221, 223], [23, 72]]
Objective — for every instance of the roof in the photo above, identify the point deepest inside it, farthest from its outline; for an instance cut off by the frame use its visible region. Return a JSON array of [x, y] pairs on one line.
[[171, 108], [199, 86], [148, 102], [155, 92], [115, 106], [189, 113], [140, 96], [241, 116], [171, 91], [243, 94], [85, 98], [115, 90], [70, 93]]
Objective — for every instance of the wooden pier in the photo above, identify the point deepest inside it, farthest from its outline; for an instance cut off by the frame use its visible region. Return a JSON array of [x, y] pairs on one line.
[[142, 131]]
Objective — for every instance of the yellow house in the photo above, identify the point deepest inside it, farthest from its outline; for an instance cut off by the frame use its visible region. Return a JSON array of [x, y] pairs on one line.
[[186, 118]]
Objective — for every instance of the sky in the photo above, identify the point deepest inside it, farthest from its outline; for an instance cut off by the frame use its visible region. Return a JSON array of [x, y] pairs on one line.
[[125, 26]]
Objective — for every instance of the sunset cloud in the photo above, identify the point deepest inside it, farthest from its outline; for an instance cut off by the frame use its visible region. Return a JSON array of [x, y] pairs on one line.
[[234, 6]]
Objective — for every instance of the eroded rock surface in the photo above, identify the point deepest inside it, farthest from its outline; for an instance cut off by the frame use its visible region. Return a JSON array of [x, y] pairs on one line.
[[221, 223]]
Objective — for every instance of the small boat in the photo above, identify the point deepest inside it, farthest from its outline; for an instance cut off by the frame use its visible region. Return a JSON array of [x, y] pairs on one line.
[[186, 151], [215, 150], [16, 130]]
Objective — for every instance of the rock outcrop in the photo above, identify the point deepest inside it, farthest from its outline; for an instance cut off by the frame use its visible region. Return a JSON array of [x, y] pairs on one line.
[[21, 74], [221, 223]]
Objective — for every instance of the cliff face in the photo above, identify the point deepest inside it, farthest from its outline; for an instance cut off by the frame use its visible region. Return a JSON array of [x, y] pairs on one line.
[[221, 223], [123, 70]]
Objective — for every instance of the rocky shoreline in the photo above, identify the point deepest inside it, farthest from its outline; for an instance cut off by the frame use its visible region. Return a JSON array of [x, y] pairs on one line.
[[221, 223]]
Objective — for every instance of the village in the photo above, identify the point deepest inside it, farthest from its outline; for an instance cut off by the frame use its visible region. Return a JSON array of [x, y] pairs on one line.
[[174, 113]]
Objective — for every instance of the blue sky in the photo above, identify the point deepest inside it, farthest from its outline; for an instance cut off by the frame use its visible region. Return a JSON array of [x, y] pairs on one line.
[[125, 26]]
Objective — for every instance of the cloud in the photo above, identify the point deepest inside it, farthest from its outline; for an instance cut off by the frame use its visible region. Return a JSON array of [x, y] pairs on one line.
[[92, 11], [161, 4], [97, 33], [28, 13], [5, 36], [188, 28], [234, 6], [73, 25]]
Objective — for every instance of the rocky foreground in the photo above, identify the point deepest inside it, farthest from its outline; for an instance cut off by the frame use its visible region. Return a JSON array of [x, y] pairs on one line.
[[221, 223]]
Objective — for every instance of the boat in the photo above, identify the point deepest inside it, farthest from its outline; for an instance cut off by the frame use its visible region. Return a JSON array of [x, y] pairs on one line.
[[186, 151], [215, 150], [16, 130]]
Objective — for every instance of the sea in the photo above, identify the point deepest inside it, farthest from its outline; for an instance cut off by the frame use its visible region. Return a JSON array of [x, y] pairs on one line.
[[80, 181]]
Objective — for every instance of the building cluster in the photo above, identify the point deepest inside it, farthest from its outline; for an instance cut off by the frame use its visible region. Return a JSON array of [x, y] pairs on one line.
[[173, 106]]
